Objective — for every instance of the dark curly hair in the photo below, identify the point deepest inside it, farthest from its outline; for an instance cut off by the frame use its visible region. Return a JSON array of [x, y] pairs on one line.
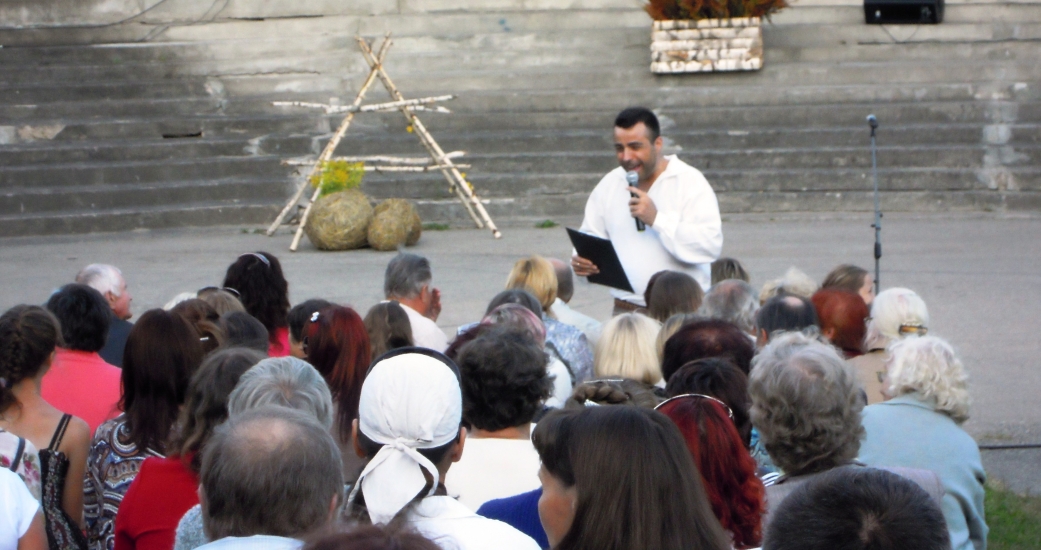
[[504, 379], [204, 319], [619, 391], [707, 338], [263, 289], [84, 316], [28, 335]]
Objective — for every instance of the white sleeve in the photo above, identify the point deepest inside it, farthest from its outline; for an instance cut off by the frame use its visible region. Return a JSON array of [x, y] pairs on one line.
[[692, 230], [17, 505], [594, 222]]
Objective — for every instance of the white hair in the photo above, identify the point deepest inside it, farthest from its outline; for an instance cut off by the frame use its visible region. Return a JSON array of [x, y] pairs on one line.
[[627, 348], [182, 297], [929, 366], [794, 282], [892, 309], [102, 278], [284, 382]]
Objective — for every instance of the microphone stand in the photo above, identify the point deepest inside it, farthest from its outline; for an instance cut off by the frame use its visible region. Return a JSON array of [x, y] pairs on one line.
[[873, 122]]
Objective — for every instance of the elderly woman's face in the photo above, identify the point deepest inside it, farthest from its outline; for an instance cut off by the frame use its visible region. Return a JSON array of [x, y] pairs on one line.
[[556, 506]]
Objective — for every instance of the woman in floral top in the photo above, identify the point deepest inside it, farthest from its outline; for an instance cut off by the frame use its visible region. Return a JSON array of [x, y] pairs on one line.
[[28, 460]]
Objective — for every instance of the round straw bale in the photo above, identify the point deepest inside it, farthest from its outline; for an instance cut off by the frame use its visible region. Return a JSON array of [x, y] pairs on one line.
[[392, 224], [340, 221]]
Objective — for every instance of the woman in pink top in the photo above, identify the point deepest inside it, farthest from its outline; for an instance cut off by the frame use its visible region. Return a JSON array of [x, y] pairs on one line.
[[264, 292]]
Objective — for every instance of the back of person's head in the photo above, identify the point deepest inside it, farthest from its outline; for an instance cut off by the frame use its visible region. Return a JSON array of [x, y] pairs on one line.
[[720, 378], [806, 404], [635, 484], [896, 313], [626, 349], [285, 382], [161, 355], [794, 282], [520, 317], [929, 367], [28, 336], [273, 471], [613, 391], [242, 330], [858, 509], [728, 268], [732, 300], [565, 279], [373, 537], [504, 379], [83, 315], [406, 276], [301, 313], [632, 116], [263, 290], [536, 275], [674, 292], [204, 319], [841, 314], [727, 470], [671, 326], [222, 300], [388, 327], [515, 296], [707, 338], [409, 419], [786, 313], [103, 278], [845, 277], [337, 345], [206, 405]]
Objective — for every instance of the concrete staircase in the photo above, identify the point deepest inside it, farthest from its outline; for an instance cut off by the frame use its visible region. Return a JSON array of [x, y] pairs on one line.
[[169, 122]]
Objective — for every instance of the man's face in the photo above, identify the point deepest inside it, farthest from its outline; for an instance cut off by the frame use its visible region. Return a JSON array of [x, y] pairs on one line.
[[635, 151], [120, 304]]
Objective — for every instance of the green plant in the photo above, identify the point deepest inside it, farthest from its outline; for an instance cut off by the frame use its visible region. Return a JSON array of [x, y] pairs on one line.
[[546, 224], [712, 9], [1014, 520], [433, 226], [338, 175]]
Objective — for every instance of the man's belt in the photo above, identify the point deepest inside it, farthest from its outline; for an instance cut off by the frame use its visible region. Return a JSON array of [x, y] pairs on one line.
[[627, 307]]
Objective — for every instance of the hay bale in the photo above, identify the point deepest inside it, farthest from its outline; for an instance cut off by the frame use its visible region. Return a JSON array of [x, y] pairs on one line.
[[340, 221], [393, 223]]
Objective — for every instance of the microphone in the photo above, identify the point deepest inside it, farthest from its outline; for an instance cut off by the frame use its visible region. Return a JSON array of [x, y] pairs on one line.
[[632, 178], [873, 122]]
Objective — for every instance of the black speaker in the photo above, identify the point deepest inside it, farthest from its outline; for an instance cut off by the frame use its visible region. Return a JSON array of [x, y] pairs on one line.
[[915, 12]]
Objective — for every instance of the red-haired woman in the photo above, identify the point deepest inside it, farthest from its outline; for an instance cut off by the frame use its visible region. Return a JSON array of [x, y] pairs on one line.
[[337, 345], [843, 317], [726, 468]]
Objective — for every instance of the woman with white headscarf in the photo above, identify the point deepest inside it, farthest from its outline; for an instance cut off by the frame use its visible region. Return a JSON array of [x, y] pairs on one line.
[[409, 426]]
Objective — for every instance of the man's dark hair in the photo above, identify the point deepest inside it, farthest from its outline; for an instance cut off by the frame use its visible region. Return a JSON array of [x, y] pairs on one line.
[[707, 338], [786, 312], [504, 379], [720, 378], [83, 314], [634, 115], [242, 330], [301, 313], [858, 509], [516, 296]]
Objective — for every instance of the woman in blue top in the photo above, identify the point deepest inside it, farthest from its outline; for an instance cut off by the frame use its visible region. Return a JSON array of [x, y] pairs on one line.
[[920, 427]]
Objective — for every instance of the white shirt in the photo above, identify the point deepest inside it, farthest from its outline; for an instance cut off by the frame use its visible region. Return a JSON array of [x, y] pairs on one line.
[[425, 333], [256, 542], [493, 468], [562, 386], [453, 526], [17, 509], [687, 234], [589, 326]]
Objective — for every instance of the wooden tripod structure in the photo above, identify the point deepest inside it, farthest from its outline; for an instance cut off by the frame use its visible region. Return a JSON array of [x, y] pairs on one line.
[[441, 161]]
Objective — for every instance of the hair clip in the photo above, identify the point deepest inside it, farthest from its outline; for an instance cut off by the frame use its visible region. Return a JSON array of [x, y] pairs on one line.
[[258, 256], [913, 328], [314, 317]]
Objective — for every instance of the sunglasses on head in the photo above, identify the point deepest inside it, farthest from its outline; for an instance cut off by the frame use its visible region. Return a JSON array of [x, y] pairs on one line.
[[208, 289], [730, 413]]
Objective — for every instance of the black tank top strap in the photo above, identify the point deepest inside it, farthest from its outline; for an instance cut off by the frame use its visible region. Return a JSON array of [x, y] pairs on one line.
[[59, 432], [17, 460]]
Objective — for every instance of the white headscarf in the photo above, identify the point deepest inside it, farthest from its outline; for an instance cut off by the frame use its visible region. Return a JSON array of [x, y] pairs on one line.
[[409, 401]]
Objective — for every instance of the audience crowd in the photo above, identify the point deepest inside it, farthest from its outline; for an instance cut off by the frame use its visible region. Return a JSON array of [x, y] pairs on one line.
[[797, 416]]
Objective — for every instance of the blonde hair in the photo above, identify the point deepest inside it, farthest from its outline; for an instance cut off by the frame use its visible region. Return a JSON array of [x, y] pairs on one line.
[[892, 309], [536, 275], [627, 349], [929, 366]]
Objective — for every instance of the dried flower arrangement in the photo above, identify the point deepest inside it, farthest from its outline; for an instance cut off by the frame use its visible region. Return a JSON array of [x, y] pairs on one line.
[[665, 10]]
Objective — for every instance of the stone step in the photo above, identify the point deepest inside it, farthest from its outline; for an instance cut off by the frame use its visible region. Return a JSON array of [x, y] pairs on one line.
[[83, 92], [75, 175], [107, 110], [206, 126]]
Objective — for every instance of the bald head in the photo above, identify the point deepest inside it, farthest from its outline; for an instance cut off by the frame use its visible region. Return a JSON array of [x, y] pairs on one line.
[[785, 313], [565, 279]]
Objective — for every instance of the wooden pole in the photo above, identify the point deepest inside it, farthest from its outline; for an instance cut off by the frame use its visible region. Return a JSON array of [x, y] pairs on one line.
[[455, 179], [389, 106], [329, 148]]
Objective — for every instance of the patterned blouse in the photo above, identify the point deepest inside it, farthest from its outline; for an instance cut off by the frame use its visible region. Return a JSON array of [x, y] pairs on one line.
[[28, 467], [572, 346], [112, 464]]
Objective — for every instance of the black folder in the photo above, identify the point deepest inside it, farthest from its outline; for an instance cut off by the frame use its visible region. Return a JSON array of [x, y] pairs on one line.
[[601, 252]]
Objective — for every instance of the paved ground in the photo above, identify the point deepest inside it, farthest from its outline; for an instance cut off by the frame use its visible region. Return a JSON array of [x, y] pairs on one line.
[[980, 274]]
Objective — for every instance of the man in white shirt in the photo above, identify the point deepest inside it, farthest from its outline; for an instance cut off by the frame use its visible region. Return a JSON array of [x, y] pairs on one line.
[[675, 201], [269, 478], [408, 281]]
